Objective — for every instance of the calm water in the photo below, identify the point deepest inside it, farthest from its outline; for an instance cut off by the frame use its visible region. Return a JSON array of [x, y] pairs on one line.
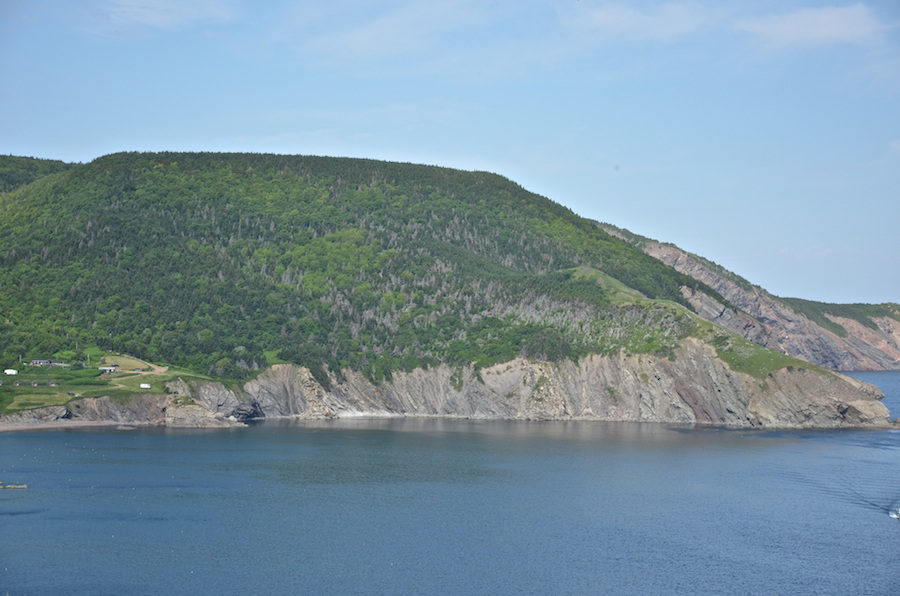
[[888, 382], [451, 507]]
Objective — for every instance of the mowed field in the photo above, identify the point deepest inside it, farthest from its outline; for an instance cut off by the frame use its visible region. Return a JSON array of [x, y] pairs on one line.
[[39, 386]]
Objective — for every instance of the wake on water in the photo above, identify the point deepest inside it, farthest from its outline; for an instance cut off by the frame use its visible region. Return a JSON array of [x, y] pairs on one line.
[[866, 477], [892, 508]]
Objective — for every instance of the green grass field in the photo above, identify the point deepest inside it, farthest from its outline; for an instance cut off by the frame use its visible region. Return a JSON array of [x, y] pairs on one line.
[[744, 356], [40, 386], [618, 292]]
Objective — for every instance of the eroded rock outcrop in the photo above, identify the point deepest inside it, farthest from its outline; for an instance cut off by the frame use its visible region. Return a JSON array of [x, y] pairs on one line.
[[140, 410], [773, 324], [693, 387], [197, 416], [145, 409]]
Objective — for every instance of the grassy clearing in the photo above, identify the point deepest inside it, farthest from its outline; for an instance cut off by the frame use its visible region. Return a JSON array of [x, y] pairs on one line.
[[26, 397], [44, 386], [133, 382], [744, 356], [126, 363], [272, 357], [40, 386], [618, 292], [178, 371]]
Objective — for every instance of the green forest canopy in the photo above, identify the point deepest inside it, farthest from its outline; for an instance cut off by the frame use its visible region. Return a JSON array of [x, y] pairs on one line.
[[218, 262]]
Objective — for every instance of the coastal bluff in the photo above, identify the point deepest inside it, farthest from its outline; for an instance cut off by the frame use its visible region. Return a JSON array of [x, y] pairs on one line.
[[695, 388], [771, 322]]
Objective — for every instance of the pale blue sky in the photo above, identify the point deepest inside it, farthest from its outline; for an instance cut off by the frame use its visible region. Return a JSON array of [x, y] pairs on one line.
[[764, 135]]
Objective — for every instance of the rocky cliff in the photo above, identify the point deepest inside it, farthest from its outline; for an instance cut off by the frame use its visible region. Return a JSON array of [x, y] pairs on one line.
[[769, 322], [695, 387], [142, 410]]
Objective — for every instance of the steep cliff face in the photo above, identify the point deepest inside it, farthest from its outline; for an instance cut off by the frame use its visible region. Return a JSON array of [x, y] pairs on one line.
[[695, 387], [773, 324], [142, 410], [148, 410]]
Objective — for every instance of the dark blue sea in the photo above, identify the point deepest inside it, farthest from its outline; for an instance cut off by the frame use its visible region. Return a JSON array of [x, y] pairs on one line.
[[452, 507]]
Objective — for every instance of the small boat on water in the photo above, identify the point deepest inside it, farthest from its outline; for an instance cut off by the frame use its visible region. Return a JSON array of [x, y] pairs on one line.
[[11, 486], [894, 514]]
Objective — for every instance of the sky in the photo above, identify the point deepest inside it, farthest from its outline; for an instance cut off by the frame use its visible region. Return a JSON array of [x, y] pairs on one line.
[[762, 135]]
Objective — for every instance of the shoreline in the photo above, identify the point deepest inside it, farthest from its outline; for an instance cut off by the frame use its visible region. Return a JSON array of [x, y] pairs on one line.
[[6, 427]]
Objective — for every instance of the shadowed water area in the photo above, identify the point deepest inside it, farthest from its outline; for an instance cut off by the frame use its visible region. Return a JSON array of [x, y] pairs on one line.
[[452, 507]]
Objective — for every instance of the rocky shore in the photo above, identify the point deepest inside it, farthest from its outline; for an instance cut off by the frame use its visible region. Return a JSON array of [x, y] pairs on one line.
[[696, 388]]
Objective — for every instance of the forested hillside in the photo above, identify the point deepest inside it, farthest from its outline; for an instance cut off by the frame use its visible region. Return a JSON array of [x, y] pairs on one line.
[[225, 262], [16, 172]]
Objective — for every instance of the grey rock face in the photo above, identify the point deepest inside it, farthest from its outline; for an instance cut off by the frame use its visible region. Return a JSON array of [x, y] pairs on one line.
[[36, 416], [148, 410], [775, 325], [197, 416], [696, 388], [141, 410], [215, 397]]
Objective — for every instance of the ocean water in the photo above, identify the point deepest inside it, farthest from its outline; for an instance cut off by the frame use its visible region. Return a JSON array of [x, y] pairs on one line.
[[451, 507], [888, 382]]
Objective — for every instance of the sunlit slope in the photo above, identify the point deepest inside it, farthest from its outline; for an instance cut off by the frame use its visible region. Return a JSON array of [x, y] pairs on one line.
[[211, 261]]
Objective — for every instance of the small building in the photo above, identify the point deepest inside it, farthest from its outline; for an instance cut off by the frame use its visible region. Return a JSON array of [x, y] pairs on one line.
[[145, 385], [41, 362], [11, 371], [107, 369]]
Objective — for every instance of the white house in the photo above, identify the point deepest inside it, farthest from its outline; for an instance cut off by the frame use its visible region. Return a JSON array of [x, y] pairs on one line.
[[145, 385], [11, 371]]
